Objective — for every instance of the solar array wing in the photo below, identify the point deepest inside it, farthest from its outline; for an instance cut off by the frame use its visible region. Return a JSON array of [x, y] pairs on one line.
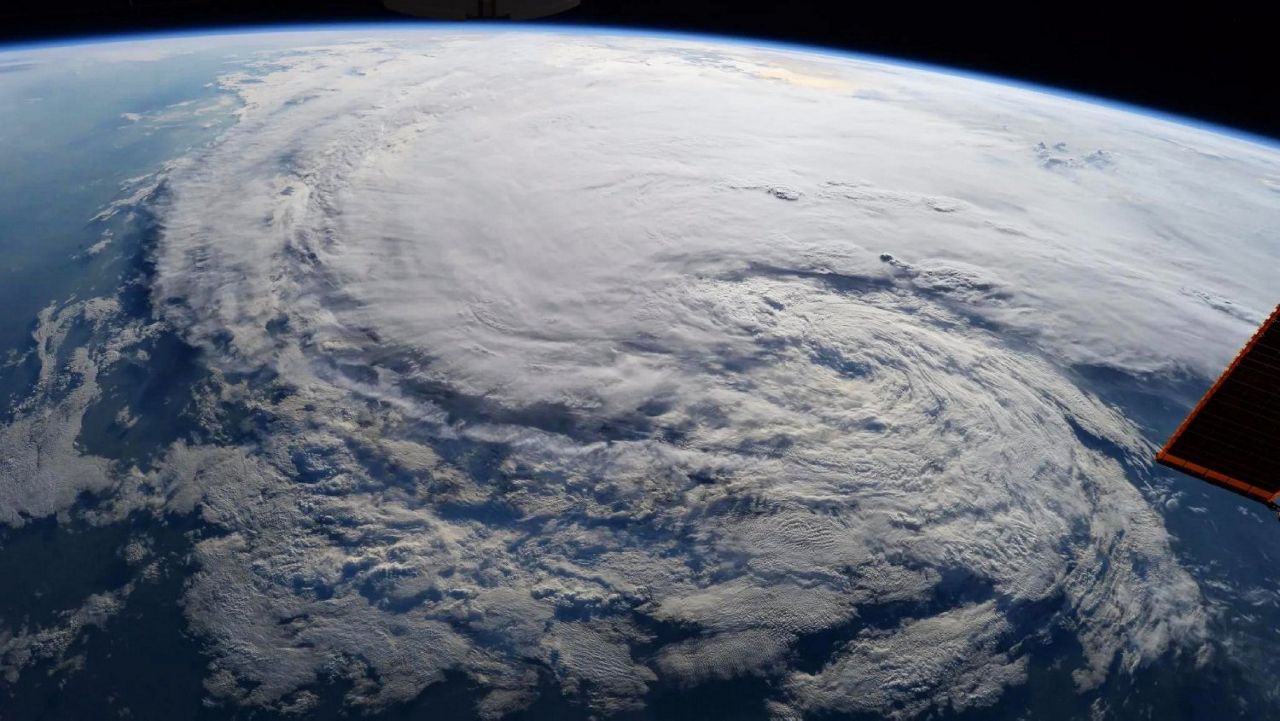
[[1232, 438]]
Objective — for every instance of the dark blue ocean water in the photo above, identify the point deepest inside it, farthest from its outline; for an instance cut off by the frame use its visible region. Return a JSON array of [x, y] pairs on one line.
[[67, 148]]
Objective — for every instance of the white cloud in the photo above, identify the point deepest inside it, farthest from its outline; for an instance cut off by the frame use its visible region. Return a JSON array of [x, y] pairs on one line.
[[552, 355], [952, 661]]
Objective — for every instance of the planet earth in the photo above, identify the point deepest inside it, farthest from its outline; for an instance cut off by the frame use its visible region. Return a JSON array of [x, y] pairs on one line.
[[436, 372]]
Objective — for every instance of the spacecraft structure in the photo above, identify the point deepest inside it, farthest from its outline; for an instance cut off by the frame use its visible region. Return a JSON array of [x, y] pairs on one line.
[[480, 9], [1232, 437]]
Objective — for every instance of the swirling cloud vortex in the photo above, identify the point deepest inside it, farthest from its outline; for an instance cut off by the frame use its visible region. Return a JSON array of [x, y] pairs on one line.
[[612, 361]]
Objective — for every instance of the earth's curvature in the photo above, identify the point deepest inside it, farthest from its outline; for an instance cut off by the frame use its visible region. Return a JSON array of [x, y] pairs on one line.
[[446, 374]]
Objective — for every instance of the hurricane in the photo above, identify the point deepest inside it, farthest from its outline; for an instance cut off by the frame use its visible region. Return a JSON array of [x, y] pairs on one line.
[[612, 363]]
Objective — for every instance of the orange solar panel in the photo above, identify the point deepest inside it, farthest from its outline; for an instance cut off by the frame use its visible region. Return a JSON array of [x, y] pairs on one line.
[[1232, 438]]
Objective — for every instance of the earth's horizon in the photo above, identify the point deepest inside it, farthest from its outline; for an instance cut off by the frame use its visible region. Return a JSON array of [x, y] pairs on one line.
[[555, 373]]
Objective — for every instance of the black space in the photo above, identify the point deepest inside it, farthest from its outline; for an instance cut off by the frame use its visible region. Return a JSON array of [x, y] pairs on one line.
[[1215, 62]]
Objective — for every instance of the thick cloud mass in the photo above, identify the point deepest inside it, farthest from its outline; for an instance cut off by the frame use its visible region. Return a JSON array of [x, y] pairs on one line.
[[611, 360]]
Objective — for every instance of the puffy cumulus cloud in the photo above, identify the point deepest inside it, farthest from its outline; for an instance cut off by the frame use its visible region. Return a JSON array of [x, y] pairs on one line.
[[25, 646], [952, 659], [42, 468], [611, 360]]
